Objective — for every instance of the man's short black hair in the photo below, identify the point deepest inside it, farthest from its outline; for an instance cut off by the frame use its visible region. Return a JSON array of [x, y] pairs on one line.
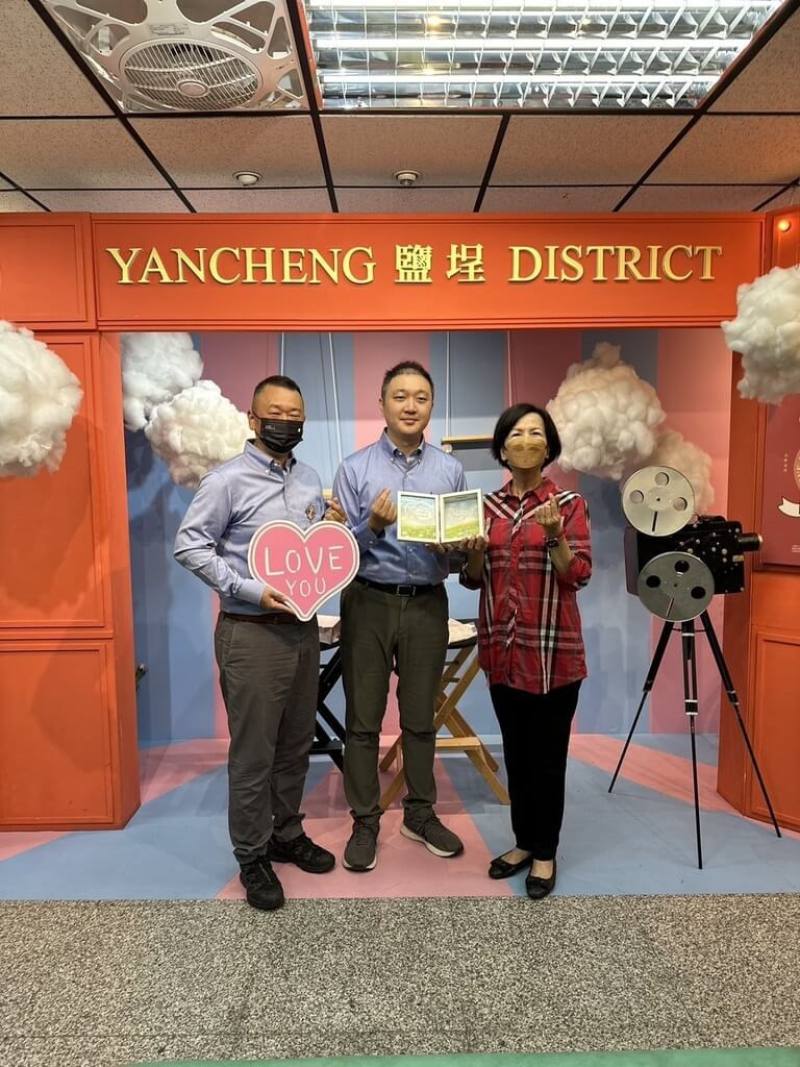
[[408, 366], [509, 419], [281, 380]]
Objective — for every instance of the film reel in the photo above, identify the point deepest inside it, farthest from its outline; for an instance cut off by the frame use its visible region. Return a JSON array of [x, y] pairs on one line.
[[658, 501], [676, 586]]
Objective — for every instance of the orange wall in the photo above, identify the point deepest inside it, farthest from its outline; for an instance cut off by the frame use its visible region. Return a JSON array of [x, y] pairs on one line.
[[67, 729], [762, 626]]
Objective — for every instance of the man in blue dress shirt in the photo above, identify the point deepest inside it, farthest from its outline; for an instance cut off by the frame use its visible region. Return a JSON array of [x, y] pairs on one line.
[[268, 659], [394, 616]]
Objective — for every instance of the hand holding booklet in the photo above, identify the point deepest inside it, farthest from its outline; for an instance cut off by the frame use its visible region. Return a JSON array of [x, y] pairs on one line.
[[440, 519]]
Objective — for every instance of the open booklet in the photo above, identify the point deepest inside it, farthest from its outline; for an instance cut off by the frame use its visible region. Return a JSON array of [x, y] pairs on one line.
[[439, 519]]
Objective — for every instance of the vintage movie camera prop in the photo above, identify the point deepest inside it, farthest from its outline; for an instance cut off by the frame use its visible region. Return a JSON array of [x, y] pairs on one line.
[[676, 562], [663, 531]]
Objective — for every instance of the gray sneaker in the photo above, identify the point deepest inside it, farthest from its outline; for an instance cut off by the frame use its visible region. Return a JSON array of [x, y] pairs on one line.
[[434, 836], [359, 853]]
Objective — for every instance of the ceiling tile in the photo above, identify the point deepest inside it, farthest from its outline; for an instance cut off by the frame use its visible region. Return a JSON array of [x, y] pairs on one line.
[[788, 199], [736, 149], [209, 151], [402, 201], [553, 198], [122, 200], [260, 201], [770, 81], [5, 184], [17, 202], [698, 197], [74, 154], [591, 149], [37, 77], [444, 150]]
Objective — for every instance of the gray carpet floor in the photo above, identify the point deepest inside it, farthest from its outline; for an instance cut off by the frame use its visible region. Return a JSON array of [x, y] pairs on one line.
[[106, 984]]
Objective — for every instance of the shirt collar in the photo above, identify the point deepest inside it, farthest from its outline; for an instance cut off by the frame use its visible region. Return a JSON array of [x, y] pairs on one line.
[[267, 463], [539, 495], [392, 451]]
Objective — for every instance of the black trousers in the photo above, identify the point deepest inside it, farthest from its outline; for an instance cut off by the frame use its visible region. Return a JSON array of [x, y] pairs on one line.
[[377, 628], [535, 729], [269, 675]]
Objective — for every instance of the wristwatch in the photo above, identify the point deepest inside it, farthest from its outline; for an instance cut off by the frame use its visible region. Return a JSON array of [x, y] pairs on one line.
[[553, 542]]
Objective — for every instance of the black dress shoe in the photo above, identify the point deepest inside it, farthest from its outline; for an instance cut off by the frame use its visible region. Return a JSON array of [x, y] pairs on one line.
[[303, 853], [500, 868], [537, 888]]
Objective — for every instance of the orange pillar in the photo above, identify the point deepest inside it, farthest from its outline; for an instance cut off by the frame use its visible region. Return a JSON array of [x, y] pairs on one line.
[[68, 755]]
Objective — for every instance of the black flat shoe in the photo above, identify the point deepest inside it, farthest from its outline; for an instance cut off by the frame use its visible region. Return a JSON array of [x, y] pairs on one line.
[[537, 888], [500, 868]]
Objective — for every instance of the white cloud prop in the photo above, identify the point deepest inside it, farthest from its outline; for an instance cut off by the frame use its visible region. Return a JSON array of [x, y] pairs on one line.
[[39, 396], [673, 450], [606, 415], [155, 367], [196, 431], [766, 331]]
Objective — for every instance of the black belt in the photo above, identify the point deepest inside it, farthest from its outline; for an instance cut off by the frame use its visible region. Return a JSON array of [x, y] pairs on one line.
[[399, 590], [279, 618]]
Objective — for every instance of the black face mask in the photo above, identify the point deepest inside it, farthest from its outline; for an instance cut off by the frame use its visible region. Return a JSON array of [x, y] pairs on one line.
[[280, 435]]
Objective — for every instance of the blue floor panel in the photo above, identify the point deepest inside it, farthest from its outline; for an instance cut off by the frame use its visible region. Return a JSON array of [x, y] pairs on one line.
[[634, 841]]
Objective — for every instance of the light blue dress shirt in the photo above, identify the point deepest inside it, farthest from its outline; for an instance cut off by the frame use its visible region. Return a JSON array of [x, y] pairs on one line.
[[362, 476], [230, 504]]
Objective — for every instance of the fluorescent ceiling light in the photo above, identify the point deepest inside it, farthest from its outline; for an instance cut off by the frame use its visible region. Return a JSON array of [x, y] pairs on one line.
[[486, 8], [501, 45], [539, 54], [531, 79]]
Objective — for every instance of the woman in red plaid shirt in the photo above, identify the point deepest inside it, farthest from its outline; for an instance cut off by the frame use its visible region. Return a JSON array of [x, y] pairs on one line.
[[534, 559]]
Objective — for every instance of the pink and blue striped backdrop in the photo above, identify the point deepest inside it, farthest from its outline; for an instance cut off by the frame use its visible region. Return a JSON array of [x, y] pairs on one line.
[[340, 375]]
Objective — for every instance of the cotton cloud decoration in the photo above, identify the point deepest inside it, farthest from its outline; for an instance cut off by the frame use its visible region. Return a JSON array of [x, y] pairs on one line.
[[196, 431], [39, 396], [155, 368], [673, 450], [606, 415], [766, 331]]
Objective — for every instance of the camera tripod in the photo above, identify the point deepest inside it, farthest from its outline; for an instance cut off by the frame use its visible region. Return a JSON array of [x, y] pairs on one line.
[[688, 648]]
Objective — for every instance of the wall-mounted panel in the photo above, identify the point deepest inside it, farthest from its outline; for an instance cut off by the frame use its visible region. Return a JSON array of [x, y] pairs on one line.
[[780, 501], [776, 730], [381, 272], [46, 271], [55, 750], [53, 533]]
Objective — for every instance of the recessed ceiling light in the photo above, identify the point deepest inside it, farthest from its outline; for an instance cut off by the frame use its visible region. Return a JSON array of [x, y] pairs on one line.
[[406, 178], [247, 177]]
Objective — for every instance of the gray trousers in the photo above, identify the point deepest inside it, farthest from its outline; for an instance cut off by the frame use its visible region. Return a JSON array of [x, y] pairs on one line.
[[269, 675], [381, 630]]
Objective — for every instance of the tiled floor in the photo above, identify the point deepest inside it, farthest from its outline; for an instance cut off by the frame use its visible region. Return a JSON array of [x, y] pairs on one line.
[[102, 984]]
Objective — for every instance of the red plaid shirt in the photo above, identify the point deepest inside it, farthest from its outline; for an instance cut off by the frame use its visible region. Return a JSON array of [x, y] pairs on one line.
[[529, 630]]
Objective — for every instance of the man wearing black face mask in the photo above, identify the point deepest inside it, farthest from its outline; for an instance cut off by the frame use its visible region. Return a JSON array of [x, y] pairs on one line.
[[268, 659], [279, 436]]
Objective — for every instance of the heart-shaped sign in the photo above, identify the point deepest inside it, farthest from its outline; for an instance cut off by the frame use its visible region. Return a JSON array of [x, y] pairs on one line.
[[305, 566]]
